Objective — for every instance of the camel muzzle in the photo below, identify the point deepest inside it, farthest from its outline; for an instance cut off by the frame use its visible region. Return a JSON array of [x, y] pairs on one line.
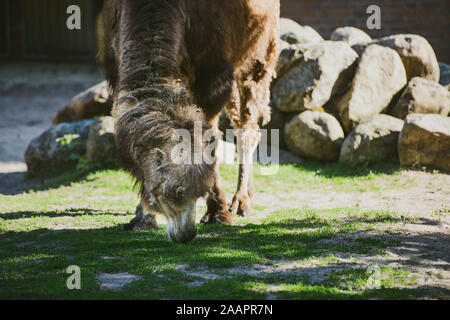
[[181, 225]]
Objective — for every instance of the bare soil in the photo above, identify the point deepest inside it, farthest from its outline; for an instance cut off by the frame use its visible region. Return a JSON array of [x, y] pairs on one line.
[[30, 95]]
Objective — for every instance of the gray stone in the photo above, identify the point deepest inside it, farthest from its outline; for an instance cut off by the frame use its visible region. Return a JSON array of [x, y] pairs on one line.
[[321, 71], [287, 157], [315, 135], [289, 56], [284, 156], [422, 96], [292, 32], [101, 145], [85, 105], [379, 77], [416, 53], [350, 35], [116, 281], [444, 74], [359, 48], [58, 146], [372, 141], [277, 122], [425, 141]]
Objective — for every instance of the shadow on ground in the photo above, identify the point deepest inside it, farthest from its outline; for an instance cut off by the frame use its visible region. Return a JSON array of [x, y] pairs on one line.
[[19, 182], [334, 170], [33, 262], [14, 183]]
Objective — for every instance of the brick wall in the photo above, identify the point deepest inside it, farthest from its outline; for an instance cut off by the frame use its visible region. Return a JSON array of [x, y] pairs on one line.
[[428, 18]]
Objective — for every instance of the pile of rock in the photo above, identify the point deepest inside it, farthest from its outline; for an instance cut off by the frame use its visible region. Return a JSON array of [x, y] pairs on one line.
[[350, 99], [356, 100], [65, 143]]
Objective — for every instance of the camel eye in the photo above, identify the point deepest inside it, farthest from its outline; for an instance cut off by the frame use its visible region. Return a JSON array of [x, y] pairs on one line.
[[180, 193], [212, 140], [160, 156]]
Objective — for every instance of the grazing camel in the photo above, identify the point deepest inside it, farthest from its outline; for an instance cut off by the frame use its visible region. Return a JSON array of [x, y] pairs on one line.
[[171, 64]]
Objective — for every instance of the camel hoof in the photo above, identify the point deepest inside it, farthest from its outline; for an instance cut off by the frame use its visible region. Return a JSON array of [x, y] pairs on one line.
[[223, 217], [146, 223], [128, 227], [205, 219], [243, 213]]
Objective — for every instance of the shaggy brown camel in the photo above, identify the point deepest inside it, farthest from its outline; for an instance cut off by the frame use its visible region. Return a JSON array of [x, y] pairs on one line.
[[170, 64]]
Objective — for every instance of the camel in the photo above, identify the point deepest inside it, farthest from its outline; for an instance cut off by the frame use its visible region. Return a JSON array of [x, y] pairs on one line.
[[173, 63]]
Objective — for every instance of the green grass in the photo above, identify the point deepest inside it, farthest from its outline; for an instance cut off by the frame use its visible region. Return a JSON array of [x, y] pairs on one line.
[[312, 175], [65, 222], [34, 258]]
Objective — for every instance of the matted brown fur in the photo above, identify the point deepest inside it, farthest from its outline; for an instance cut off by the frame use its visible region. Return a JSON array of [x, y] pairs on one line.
[[173, 62]]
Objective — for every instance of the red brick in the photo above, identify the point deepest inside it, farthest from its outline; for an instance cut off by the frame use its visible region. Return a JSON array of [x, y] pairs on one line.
[[429, 18]]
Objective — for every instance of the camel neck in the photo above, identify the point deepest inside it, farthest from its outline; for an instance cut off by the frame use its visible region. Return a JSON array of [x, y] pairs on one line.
[[149, 48]]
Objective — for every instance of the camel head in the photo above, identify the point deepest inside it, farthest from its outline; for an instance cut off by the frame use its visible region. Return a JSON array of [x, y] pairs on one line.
[[159, 143], [173, 189], [172, 174]]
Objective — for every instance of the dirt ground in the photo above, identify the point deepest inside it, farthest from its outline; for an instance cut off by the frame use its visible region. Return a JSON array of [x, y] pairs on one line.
[[30, 94], [430, 195]]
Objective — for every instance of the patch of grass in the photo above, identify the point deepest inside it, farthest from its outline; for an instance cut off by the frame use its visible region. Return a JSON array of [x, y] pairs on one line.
[[34, 257], [312, 175], [101, 190], [358, 278], [76, 219]]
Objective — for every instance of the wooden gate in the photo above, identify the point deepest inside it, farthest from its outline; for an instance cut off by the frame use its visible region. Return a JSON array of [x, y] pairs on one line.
[[36, 29]]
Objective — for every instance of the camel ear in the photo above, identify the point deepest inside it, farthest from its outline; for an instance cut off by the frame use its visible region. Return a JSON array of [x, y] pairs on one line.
[[214, 140], [160, 156]]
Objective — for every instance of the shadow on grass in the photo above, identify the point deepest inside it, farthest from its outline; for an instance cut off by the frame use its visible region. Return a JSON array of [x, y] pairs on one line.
[[18, 183], [157, 260], [55, 214], [51, 179], [334, 170]]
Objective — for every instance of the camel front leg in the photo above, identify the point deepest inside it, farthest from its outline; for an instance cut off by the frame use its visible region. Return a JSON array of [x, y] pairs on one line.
[[248, 140], [217, 204], [145, 218]]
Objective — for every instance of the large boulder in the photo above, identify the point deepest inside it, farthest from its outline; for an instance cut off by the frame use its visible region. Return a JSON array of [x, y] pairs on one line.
[[379, 77], [351, 35], [422, 96], [372, 141], [292, 32], [360, 47], [86, 105], [417, 55], [289, 56], [267, 154], [101, 145], [277, 122], [321, 71], [58, 146], [445, 74], [315, 135], [425, 140]]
